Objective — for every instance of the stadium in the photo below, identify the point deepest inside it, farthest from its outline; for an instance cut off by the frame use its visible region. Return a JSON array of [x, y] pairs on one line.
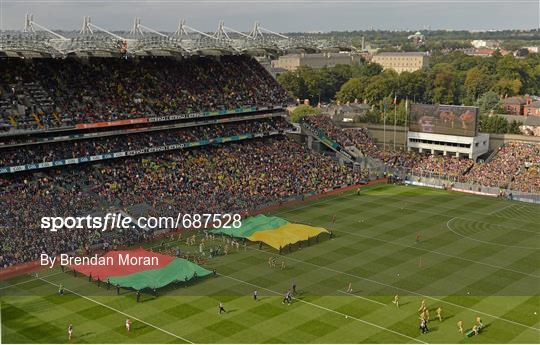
[[183, 204]]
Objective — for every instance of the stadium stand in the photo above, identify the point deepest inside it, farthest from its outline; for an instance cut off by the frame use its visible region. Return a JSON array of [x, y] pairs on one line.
[[409, 160], [46, 105], [509, 166], [217, 176], [48, 152], [515, 165], [237, 177], [49, 93]]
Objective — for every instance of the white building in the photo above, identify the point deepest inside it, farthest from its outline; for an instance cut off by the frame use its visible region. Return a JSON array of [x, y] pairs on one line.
[[402, 61], [459, 146], [485, 44]]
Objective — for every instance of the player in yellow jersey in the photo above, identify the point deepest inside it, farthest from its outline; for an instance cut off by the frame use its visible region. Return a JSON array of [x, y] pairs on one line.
[[460, 326], [396, 300], [422, 306]]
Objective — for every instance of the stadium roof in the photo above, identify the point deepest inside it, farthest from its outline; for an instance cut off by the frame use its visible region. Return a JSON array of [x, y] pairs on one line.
[[92, 40]]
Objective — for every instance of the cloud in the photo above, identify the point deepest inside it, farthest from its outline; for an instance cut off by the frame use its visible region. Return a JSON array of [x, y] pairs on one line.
[[283, 16]]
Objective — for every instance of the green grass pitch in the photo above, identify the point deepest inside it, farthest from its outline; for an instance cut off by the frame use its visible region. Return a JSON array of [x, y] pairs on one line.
[[477, 256]]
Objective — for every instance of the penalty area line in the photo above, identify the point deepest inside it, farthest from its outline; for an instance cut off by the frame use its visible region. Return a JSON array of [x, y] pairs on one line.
[[120, 312]]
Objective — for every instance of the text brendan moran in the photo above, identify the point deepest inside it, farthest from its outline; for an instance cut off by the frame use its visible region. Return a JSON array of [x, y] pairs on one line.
[[120, 260]]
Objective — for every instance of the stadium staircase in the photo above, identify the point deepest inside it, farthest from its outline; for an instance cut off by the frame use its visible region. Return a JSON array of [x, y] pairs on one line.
[[7, 110], [467, 170], [493, 154], [40, 101], [354, 152], [23, 107], [340, 151]]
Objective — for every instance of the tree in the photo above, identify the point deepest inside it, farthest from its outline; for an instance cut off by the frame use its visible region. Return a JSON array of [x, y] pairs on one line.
[[413, 85], [493, 124], [489, 101], [507, 87], [373, 116], [454, 78], [444, 84], [303, 110], [340, 75], [381, 86], [368, 69], [314, 82], [510, 68], [354, 89], [293, 83], [477, 82], [333, 79], [533, 70], [513, 128]]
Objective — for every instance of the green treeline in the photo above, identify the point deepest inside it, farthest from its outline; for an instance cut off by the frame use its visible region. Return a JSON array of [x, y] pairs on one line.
[[454, 78]]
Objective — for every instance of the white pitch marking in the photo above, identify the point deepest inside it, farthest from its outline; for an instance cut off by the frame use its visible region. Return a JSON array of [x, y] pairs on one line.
[[402, 289], [362, 297], [121, 312], [30, 280], [485, 242], [500, 209], [327, 309], [440, 253]]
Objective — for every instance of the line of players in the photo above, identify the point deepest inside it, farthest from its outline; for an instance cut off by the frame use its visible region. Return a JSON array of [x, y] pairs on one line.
[[423, 313]]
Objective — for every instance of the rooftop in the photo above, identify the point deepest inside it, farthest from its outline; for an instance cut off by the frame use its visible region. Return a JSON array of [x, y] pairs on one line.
[[402, 54], [535, 104], [515, 100]]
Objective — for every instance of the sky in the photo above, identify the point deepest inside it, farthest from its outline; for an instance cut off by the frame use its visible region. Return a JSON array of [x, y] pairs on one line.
[[278, 15]]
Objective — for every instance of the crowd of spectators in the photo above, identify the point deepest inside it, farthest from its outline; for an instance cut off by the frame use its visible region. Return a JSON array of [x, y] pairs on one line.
[[444, 166], [528, 180], [47, 152], [236, 177], [65, 92], [515, 165], [360, 138], [230, 178], [322, 124]]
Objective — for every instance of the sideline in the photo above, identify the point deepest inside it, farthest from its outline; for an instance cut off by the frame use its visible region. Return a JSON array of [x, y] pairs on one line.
[[120, 312], [379, 200]]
